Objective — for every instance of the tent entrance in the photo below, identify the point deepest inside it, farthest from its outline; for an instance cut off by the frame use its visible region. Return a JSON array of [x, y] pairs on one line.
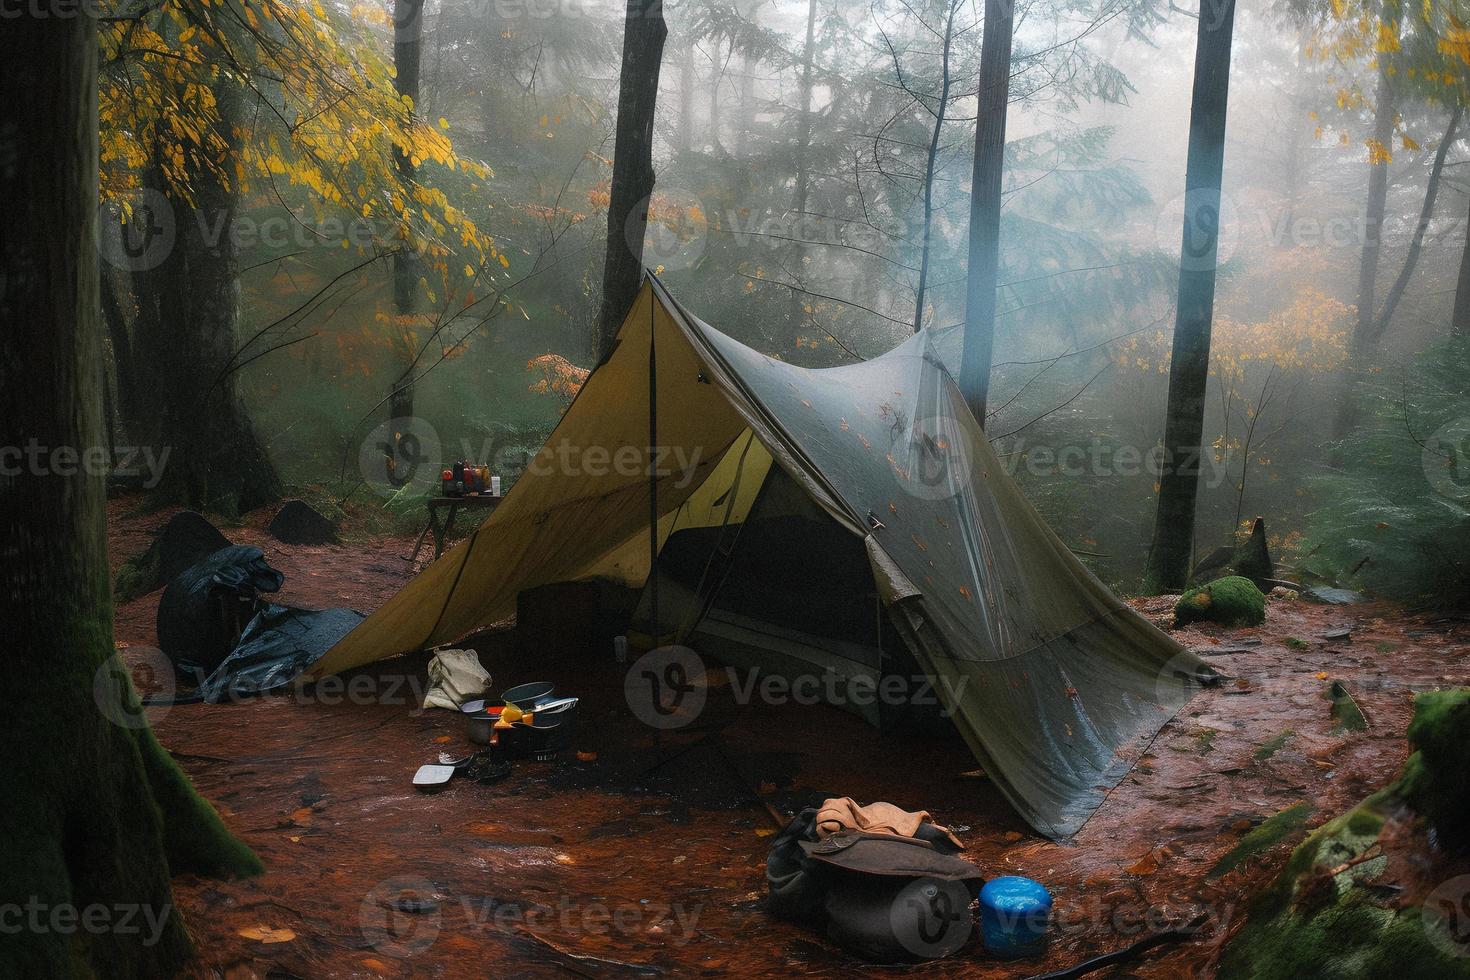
[[755, 576]]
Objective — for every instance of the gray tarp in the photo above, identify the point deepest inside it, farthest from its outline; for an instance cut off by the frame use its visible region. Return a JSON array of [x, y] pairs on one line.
[[1061, 684]]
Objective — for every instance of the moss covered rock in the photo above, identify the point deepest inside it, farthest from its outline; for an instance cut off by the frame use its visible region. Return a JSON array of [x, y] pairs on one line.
[[1436, 779], [1330, 913], [1230, 601]]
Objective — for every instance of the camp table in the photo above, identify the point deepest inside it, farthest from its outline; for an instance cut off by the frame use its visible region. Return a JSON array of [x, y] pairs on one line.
[[441, 517]]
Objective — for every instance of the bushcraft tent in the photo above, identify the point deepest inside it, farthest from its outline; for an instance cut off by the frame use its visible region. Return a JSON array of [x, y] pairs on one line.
[[867, 478]]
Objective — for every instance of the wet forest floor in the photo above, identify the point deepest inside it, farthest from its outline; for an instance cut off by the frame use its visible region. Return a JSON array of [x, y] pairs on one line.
[[648, 860]]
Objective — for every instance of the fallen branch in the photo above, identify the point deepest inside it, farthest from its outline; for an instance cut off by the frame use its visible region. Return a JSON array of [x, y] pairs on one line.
[[1187, 931]]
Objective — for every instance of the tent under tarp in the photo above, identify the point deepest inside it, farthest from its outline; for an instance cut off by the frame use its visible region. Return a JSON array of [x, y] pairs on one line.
[[1056, 685]]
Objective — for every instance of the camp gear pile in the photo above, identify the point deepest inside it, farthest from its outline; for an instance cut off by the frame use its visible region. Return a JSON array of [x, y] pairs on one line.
[[883, 896], [224, 639]]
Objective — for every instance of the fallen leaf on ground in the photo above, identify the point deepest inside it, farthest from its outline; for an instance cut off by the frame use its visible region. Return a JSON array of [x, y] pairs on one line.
[[1145, 865], [266, 934]]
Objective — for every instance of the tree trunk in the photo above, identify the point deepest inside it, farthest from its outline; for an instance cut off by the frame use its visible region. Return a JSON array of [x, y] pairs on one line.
[[796, 316], [96, 814], [1416, 244], [985, 201], [1460, 322], [124, 360], [717, 70], [408, 44], [632, 180], [1363, 331], [184, 343], [1169, 558], [686, 101], [929, 167]]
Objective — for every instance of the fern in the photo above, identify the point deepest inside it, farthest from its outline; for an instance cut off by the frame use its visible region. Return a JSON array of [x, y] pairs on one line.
[[1397, 517]]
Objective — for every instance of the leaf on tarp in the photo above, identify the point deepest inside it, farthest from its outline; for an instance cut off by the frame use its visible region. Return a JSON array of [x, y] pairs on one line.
[[1346, 714], [1270, 833], [268, 934]]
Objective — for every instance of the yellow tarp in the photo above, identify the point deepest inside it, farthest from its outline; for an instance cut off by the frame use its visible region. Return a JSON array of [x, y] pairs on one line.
[[580, 506]]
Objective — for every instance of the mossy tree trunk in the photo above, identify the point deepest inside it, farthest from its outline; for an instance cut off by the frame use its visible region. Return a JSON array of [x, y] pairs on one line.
[[96, 814]]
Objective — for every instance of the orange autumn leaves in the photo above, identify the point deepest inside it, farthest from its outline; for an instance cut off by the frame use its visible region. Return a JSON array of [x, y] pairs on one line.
[[1309, 335], [557, 376]]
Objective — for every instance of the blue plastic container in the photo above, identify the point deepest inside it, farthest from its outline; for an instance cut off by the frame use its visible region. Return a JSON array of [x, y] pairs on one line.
[[1014, 915]]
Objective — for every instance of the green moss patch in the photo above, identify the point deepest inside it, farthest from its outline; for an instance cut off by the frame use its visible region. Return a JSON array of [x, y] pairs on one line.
[[1229, 601], [1436, 779], [1272, 746], [1346, 715], [1276, 828]]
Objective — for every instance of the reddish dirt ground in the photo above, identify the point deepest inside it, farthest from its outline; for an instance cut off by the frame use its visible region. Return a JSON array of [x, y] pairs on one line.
[[649, 860]]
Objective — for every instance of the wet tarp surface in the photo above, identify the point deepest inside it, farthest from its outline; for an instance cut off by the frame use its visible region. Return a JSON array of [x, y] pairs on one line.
[[276, 647], [1056, 685]]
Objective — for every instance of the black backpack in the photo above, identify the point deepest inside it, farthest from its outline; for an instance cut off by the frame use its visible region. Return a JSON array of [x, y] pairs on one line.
[[883, 898]]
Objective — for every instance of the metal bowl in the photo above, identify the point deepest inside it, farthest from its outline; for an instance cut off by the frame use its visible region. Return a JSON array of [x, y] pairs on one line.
[[525, 696]]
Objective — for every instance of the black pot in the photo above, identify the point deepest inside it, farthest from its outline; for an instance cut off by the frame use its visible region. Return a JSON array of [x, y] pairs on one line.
[[560, 713], [480, 723]]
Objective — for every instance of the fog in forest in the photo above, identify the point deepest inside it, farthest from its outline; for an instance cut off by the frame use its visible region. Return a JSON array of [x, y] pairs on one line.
[[790, 213]]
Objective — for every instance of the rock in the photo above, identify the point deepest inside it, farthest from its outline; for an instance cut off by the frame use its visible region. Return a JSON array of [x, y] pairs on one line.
[[1436, 781], [1282, 592], [1230, 601], [1329, 908], [1330, 596], [187, 538], [298, 523]]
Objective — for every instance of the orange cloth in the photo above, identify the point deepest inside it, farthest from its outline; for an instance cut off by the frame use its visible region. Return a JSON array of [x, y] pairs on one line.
[[844, 813]]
